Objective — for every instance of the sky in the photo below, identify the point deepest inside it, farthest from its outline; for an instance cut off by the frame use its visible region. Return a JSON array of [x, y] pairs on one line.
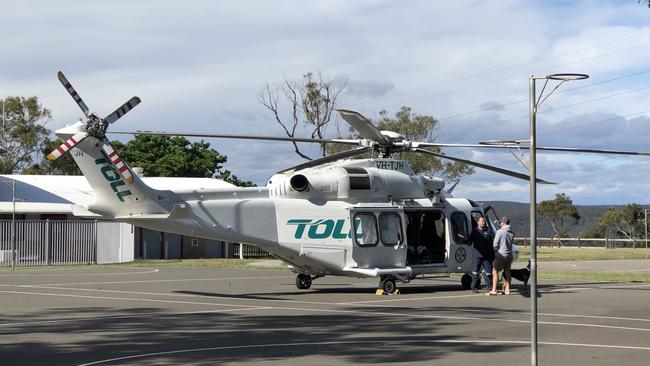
[[199, 66]]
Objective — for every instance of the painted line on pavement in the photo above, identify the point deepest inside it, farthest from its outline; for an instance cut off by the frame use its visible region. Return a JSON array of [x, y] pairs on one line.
[[358, 342]]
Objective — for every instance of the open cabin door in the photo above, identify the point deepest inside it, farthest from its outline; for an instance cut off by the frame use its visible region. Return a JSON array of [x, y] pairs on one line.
[[426, 234], [378, 240], [460, 249]]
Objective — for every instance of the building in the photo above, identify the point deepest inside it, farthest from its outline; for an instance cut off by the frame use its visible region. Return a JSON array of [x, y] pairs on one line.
[[49, 209]]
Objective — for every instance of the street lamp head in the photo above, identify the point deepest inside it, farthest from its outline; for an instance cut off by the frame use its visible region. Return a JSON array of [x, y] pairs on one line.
[[567, 77], [503, 142]]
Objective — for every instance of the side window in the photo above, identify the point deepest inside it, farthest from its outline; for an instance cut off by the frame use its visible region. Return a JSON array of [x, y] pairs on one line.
[[365, 228], [390, 229], [475, 216], [459, 227]]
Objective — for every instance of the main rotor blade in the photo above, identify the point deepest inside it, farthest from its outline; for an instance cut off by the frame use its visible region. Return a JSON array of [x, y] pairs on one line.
[[124, 108], [67, 145], [117, 161], [481, 165], [243, 137], [73, 93], [328, 159], [365, 128], [543, 148]]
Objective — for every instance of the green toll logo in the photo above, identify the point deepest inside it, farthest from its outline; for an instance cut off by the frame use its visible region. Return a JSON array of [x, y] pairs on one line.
[[114, 178], [321, 229]]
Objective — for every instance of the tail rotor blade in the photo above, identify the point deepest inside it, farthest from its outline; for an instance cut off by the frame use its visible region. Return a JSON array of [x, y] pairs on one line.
[[73, 93], [122, 110], [117, 162], [67, 145]]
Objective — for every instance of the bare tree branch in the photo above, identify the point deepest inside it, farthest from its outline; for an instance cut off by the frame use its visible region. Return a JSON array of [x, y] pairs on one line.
[[311, 103]]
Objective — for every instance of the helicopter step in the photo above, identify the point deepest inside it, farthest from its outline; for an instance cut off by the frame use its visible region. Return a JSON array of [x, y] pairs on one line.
[[388, 277], [399, 272]]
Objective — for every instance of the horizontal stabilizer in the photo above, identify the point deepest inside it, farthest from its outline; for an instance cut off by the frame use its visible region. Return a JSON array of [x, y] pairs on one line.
[[80, 211], [180, 211]]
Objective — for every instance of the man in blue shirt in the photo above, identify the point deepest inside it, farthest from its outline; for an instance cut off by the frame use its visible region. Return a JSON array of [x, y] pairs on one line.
[[483, 254]]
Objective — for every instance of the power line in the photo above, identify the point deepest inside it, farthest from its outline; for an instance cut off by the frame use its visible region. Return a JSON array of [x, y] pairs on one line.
[[629, 91], [512, 77], [595, 123], [526, 100], [498, 70]]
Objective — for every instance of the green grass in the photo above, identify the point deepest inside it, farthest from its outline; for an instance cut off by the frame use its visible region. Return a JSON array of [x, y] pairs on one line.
[[211, 263], [543, 254], [595, 276], [581, 254]]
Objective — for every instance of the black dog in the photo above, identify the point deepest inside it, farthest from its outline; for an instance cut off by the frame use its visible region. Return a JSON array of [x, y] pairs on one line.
[[522, 274]]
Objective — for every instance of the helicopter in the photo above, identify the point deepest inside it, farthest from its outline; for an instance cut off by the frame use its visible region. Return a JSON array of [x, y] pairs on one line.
[[331, 216]]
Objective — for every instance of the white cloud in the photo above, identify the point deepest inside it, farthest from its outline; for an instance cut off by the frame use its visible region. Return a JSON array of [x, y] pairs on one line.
[[200, 68]]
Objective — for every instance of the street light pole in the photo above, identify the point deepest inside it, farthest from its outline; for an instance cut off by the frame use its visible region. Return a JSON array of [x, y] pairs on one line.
[[533, 104], [532, 170], [13, 225]]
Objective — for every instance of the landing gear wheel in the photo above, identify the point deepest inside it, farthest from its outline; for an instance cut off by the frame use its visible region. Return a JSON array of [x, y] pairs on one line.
[[466, 281], [303, 281], [388, 285]]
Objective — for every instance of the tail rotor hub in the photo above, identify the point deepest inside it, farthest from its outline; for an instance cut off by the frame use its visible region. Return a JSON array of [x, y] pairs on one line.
[[96, 126]]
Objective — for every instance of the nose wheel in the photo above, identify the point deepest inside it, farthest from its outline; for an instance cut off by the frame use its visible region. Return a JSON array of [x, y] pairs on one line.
[[466, 281], [388, 285], [303, 281]]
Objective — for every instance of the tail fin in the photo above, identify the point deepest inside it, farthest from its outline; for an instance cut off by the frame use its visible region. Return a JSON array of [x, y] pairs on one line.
[[115, 196]]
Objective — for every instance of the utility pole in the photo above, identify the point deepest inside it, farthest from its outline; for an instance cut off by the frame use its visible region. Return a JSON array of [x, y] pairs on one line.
[[534, 103]]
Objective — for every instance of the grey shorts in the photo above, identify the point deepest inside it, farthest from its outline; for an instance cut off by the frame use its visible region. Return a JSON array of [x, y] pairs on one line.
[[502, 263]]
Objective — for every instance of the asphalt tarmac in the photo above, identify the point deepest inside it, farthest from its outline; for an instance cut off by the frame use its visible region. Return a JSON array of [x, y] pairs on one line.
[[208, 316]]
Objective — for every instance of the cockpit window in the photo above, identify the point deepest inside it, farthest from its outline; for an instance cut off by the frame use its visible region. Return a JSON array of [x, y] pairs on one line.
[[475, 216], [459, 227]]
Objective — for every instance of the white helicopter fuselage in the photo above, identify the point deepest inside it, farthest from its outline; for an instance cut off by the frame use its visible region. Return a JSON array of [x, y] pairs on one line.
[[405, 224]]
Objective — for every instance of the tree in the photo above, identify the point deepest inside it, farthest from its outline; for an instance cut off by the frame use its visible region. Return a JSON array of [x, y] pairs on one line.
[[311, 102], [628, 222], [22, 132], [416, 127], [167, 156], [556, 211], [64, 165]]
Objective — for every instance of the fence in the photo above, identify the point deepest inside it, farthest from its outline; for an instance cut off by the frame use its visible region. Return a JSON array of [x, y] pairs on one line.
[[45, 242], [249, 251], [585, 242]]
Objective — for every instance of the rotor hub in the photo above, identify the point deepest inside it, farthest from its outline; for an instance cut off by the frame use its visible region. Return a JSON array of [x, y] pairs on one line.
[[96, 126]]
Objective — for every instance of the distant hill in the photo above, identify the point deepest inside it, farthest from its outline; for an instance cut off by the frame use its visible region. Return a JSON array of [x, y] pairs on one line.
[[520, 212]]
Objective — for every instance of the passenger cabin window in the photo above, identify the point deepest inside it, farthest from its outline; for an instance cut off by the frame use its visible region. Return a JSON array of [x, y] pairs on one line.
[[390, 229], [365, 228], [459, 227]]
